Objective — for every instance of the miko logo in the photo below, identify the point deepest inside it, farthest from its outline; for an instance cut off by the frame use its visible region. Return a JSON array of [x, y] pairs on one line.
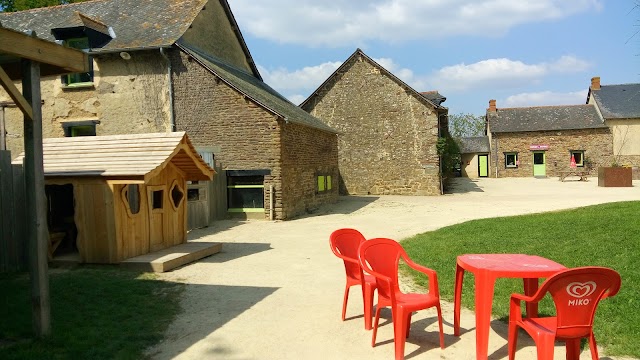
[[579, 291]]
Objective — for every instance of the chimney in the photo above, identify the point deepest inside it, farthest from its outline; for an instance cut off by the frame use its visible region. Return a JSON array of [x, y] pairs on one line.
[[595, 83], [492, 105]]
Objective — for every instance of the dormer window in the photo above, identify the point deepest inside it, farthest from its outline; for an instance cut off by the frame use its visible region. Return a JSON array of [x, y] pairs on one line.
[[83, 78]]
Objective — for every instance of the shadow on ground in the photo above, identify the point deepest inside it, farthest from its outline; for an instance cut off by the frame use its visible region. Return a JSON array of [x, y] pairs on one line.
[[461, 185], [223, 304]]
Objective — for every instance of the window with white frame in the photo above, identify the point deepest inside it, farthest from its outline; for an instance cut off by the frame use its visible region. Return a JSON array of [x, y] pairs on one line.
[[578, 157], [511, 160]]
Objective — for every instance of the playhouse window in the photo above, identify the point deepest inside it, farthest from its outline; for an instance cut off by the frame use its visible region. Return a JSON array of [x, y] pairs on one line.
[[176, 195], [133, 198], [158, 196]]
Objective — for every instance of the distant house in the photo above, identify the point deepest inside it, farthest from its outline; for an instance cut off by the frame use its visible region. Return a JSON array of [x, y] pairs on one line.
[[540, 141], [183, 65], [388, 131], [474, 156], [619, 107]]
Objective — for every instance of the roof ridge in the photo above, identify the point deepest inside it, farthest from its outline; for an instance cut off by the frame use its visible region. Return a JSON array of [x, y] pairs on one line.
[[544, 106], [46, 8]]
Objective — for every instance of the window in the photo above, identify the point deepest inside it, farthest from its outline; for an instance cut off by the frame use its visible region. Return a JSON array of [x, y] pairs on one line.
[[245, 193], [176, 195], [157, 199], [324, 183], [78, 79], [578, 156], [511, 160], [80, 128], [131, 198]]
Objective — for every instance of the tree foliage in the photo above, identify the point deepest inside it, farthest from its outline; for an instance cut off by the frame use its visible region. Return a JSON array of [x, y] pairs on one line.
[[19, 5], [466, 125]]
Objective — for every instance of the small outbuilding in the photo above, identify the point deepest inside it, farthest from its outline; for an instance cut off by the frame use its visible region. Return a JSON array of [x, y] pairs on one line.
[[111, 198]]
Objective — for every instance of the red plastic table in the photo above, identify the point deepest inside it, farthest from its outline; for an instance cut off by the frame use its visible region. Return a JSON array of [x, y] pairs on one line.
[[486, 268]]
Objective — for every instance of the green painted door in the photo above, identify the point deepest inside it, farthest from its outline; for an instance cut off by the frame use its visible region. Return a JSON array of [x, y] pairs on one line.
[[539, 167], [483, 165]]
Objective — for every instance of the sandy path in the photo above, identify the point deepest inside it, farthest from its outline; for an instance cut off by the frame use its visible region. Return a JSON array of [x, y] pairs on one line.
[[275, 291]]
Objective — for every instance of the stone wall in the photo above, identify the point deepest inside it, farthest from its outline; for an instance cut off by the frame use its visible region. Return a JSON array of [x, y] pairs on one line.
[[307, 153], [127, 96], [387, 141], [596, 143]]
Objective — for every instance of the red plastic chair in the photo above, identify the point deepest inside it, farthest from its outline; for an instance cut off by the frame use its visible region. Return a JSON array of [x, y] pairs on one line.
[[380, 257], [344, 244], [576, 294]]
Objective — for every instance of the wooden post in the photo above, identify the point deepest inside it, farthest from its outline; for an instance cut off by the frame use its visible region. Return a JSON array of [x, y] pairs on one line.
[[3, 144], [36, 216]]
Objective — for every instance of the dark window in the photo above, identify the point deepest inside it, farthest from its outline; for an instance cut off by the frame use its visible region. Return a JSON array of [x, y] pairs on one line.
[[538, 158], [578, 156], [245, 192], [157, 199], [176, 195], [133, 197], [80, 128], [193, 194]]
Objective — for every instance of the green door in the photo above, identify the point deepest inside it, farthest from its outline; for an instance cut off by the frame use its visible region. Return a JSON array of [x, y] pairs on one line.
[[539, 167], [483, 165]]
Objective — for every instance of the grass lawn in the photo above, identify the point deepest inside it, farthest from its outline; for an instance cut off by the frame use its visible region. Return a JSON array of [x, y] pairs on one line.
[[602, 235], [97, 313]]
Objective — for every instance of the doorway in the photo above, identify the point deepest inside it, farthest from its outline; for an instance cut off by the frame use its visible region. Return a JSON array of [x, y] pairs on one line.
[[539, 166], [61, 221], [483, 165]]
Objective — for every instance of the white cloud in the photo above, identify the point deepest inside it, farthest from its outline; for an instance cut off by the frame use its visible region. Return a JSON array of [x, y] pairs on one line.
[[309, 77], [347, 22], [544, 98], [501, 73]]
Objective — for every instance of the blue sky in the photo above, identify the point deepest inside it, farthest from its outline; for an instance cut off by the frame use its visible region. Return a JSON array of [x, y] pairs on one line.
[[519, 52]]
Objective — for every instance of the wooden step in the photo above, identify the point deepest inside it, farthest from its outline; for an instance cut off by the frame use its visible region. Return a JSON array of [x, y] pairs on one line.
[[172, 257]]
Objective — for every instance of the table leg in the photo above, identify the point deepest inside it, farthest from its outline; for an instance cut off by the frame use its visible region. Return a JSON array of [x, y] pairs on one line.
[[530, 288], [484, 301], [457, 298]]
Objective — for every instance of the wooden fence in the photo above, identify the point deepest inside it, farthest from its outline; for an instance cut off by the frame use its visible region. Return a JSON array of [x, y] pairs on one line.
[[13, 244]]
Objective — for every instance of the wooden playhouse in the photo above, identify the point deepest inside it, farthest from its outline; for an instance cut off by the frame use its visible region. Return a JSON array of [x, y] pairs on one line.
[[111, 198]]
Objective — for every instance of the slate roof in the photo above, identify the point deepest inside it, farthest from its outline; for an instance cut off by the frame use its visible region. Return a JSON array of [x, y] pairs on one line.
[[434, 96], [257, 90], [475, 144], [137, 24], [133, 156], [541, 118], [618, 101], [360, 53]]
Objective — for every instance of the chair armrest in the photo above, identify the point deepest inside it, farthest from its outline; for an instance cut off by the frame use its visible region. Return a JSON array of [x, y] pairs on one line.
[[431, 274]]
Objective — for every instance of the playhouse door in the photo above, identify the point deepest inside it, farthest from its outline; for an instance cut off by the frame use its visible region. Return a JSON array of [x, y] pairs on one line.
[[156, 195]]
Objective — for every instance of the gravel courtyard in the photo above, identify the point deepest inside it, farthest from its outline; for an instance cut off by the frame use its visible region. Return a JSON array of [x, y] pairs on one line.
[[275, 290]]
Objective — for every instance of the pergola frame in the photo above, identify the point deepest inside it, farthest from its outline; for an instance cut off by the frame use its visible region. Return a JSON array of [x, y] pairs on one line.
[[26, 57]]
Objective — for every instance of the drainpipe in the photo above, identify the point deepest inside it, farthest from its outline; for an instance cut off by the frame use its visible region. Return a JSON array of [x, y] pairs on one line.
[[271, 202], [496, 157], [172, 119]]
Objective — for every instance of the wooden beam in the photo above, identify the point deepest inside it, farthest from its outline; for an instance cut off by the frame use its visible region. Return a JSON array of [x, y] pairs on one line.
[[28, 47], [15, 95], [3, 141], [36, 220]]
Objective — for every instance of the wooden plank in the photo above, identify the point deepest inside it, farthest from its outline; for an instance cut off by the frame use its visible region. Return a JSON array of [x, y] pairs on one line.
[[28, 47], [3, 140], [37, 232], [15, 94], [172, 257], [6, 209]]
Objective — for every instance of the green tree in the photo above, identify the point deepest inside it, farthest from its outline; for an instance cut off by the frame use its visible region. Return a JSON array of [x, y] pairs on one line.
[[19, 5], [466, 125]]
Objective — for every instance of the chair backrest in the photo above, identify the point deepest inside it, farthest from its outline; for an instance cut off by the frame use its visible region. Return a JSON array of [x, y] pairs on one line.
[[380, 257], [344, 244], [576, 293]]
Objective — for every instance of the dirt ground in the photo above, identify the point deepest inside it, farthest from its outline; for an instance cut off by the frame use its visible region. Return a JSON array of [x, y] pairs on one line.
[[275, 290]]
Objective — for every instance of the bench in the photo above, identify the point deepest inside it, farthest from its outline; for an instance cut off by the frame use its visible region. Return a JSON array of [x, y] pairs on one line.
[[580, 173]]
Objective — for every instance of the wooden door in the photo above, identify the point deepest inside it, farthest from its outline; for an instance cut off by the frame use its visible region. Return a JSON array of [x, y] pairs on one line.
[[157, 197], [539, 167], [483, 165]]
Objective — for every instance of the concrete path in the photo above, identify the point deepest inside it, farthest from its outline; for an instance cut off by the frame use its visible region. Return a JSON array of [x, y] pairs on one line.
[[275, 290]]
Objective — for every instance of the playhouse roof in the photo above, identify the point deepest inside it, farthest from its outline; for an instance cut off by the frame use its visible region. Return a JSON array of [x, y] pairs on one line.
[[136, 157]]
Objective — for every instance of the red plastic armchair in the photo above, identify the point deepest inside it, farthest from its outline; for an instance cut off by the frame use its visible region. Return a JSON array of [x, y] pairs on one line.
[[344, 244], [380, 257], [576, 294]]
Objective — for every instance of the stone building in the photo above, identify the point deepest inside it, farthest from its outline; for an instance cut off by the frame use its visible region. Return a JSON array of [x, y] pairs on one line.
[[619, 108], [540, 141], [183, 65], [388, 131]]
